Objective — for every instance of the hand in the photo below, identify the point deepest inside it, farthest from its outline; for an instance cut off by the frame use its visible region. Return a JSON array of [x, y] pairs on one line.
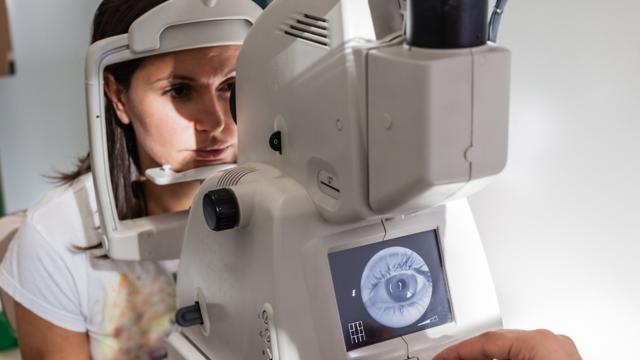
[[513, 345]]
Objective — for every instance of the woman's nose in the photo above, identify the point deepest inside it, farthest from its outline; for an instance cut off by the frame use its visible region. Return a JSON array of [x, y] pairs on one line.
[[213, 114]]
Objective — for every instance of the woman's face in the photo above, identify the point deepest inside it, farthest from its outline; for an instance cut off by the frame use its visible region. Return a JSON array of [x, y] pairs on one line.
[[178, 105]]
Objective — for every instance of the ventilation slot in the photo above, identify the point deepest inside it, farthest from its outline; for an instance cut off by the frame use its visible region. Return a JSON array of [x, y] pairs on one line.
[[310, 28], [232, 177]]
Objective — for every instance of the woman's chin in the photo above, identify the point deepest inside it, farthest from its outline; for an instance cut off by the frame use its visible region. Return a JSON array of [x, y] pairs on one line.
[[202, 163]]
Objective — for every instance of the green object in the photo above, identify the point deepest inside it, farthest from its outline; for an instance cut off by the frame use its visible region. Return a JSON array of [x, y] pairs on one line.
[[8, 338]]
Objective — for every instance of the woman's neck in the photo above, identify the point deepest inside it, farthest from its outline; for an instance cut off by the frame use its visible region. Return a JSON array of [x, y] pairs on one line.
[[169, 198]]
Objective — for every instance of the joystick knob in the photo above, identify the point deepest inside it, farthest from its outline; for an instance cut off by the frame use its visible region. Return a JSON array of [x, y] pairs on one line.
[[221, 209]]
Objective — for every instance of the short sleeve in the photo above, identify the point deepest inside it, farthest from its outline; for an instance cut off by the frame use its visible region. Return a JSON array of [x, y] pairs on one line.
[[40, 277]]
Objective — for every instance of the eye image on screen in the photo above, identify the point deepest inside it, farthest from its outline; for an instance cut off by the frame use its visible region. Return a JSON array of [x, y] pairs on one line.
[[396, 287], [390, 288]]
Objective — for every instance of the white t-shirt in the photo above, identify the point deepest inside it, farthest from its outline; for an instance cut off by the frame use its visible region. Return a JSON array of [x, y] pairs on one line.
[[126, 307]]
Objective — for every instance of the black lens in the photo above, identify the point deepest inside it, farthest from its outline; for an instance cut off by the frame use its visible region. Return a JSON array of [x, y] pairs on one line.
[[447, 24]]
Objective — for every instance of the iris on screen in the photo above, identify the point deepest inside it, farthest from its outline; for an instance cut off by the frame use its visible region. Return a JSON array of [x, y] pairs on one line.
[[396, 287]]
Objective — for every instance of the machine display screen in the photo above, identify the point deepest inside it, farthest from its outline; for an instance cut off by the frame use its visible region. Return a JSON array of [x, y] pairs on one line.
[[389, 289]]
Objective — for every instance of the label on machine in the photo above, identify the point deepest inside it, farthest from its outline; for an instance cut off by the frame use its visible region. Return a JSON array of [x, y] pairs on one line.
[[389, 289]]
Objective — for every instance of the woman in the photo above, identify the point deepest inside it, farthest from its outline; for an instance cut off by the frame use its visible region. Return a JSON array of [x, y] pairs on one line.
[[166, 109]]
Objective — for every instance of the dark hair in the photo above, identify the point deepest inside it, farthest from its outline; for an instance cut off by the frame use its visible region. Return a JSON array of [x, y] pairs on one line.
[[114, 17]]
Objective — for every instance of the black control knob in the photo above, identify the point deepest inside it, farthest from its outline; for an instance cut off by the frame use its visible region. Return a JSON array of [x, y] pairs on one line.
[[221, 209], [189, 315], [275, 142]]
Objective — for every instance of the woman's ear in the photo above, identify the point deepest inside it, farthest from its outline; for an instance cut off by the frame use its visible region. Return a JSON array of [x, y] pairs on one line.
[[116, 94]]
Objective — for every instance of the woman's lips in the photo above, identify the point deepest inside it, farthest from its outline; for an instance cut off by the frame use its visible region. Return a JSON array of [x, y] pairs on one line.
[[211, 154]]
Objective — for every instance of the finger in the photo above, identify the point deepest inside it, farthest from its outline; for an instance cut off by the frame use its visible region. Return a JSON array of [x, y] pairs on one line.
[[569, 342], [490, 345]]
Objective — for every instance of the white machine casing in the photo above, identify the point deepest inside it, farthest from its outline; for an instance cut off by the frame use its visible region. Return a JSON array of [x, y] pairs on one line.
[[277, 261], [408, 128], [172, 26], [379, 140]]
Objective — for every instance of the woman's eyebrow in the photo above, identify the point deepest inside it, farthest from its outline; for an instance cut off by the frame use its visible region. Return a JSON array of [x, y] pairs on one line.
[[230, 72], [179, 77], [174, 77]]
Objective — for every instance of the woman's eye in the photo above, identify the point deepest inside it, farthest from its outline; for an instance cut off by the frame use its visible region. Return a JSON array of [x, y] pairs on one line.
[[178, 91], [396, 287], [228, 85]]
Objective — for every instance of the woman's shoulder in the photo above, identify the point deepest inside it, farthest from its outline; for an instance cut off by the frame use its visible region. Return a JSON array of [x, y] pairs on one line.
[[62, 195], [41, 269], [67, 215]]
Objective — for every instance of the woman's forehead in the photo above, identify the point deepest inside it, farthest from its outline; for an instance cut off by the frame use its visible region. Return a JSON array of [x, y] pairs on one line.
[[209, 61]]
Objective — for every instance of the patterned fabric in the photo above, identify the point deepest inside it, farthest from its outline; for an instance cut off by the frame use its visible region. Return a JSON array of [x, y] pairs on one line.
[[126, 307]]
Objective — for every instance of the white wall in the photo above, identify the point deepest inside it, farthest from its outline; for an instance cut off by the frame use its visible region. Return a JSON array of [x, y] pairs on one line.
[[42, 116], [562, 225]]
